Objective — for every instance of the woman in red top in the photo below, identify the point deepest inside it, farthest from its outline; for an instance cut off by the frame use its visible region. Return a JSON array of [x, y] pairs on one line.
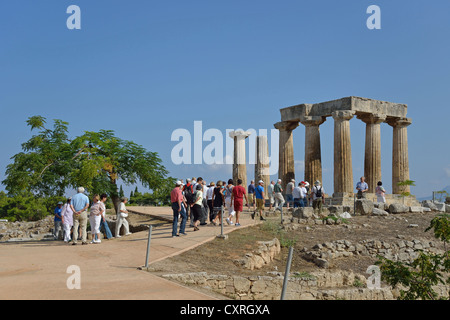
[[237, 196]]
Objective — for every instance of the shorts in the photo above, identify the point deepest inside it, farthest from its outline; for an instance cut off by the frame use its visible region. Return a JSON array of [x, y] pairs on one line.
[[259, 204], [250, 198], [238, 204], [289, 198], [197, 211]]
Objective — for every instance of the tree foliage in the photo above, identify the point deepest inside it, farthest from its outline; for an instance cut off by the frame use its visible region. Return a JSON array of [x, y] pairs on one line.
[[418, 278], [51, 162]]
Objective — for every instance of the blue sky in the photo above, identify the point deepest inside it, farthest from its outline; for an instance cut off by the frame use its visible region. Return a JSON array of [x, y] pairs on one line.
[[147, 68]]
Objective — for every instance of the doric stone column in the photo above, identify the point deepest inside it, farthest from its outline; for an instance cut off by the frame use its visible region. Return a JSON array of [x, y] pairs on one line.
[[400, 160], [262, 162], [372, 158], [343, 172], [239, 163], [313, 156], [286, 170]]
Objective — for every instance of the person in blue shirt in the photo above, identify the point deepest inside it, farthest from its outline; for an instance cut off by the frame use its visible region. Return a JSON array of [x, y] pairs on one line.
[[259, 194], [58, 221], [79, 205], [362, 188]]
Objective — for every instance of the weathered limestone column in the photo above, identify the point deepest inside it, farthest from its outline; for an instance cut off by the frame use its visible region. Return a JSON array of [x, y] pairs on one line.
[[286, 170], [400, 160], [313, 156], [262, 162], [239, 163], [372, 158], [343, 172]]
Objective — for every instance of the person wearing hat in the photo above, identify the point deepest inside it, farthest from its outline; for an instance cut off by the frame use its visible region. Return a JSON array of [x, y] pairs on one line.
[[57, 220], [197, 206], [178, 208], [307, 200], [318, 196], [259, 194]]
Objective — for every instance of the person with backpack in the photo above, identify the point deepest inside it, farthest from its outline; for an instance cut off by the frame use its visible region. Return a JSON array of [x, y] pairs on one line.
[[318, 196], [188, 192]]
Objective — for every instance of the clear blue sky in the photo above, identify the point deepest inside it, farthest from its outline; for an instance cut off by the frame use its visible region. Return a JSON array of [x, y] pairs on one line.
[[145, 68]]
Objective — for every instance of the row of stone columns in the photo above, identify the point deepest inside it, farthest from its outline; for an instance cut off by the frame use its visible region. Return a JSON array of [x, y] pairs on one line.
[[343, 169]]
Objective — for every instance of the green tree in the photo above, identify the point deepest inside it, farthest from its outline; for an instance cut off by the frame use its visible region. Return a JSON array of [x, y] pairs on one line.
[[51, 162]]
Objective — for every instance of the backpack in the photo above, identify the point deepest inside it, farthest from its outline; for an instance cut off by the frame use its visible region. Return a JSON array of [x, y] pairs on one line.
[[188, 194], [318, 192]]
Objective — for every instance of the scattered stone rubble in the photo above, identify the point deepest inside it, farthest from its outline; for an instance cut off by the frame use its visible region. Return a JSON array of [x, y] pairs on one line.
[[402, 250]]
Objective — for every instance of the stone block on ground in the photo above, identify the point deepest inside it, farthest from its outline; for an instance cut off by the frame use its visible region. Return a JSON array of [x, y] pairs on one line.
[[363, 207], [398, 208]]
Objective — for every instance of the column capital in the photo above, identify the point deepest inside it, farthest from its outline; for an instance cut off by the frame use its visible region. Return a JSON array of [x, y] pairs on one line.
[[372, 118], [399, 122], [239, 134], [310, 121], [343, 115], [286, 125]]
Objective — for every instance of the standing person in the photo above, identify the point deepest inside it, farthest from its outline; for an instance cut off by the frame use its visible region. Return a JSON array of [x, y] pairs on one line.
[[188, 193], [303, 194], [289, 188], [237, 197], [57, 221], [94, 219], [296, 195], [307, 199], [228, 201], [251, 196], [259, 194], [122, 214], [103, 222], [197, 206], [380, 191], [362, 188], [278, 195], [318, 196], [209, 200], [201, 182], [67, 220], [270, 194], [178, 207], [218, 201], [79, 205]]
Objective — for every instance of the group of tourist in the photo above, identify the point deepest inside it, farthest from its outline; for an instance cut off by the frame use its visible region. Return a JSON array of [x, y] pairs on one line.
[[73, 217], [195, 201], [198, 201]]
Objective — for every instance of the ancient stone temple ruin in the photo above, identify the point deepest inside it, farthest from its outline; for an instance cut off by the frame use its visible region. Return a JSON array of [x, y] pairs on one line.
[[372, 113]]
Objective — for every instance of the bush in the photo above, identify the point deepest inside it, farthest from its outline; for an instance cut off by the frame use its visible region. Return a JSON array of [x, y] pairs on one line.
[[27, 207]]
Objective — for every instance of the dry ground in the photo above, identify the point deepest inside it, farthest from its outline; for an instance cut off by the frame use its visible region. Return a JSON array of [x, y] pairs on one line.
[[217, 256]]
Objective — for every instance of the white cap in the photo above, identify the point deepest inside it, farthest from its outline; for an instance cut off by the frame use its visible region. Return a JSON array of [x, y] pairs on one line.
[[179, 183], [260, 181]]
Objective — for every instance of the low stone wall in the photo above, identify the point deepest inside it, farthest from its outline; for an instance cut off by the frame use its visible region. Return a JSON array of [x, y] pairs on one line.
[[320, 285], [264, 255]]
